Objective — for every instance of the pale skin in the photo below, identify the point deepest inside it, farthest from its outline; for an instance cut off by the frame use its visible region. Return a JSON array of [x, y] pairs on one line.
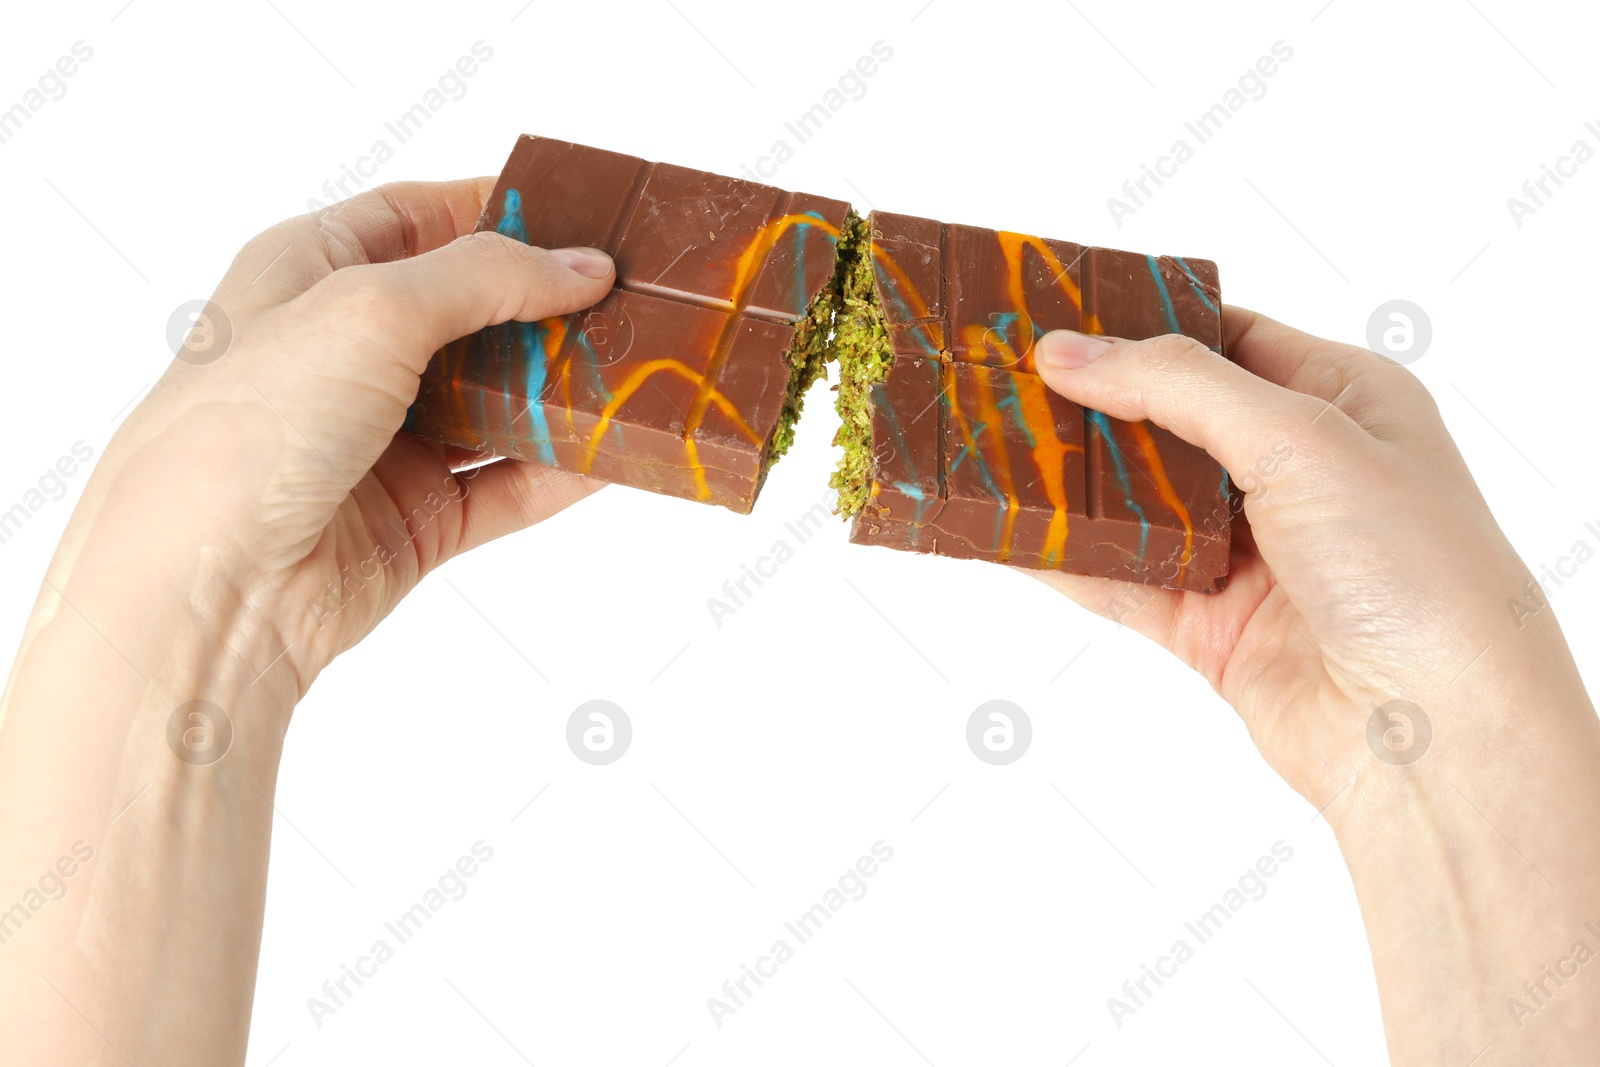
[[1370, 570]]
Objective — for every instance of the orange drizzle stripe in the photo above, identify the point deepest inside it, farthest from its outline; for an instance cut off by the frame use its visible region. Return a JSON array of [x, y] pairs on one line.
[[555, 337], [997, 428], [455, 359], [1152, 458], [902, 283], [956, 413], [640, 375], [1012, 244], [566, 394], [755, 254], [746, 271], [1050, 454]]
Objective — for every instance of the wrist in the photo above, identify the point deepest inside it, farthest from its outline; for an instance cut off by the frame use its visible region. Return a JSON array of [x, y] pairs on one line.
[[122, 636], [141, 737], [1481, 861]]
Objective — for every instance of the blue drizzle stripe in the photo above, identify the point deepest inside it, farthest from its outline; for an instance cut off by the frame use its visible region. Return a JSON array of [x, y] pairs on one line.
[[1194, 283], [910, 489], [983, 467], [1103, 426], [886, 284], [591, 359], [532, 336], [1166, 297], [511, 223], [802, 300], [914, 491], [1014, 402]]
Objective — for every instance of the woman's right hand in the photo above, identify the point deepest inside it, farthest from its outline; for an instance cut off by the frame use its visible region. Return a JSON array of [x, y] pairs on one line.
[[1370, 569], [1366, 571]]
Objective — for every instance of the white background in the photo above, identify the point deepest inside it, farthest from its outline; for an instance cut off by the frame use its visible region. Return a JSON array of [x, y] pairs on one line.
[[771, 752]]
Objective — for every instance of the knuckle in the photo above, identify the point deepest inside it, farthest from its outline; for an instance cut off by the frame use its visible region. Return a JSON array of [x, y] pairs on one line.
[[359, 293], [504, 254], [268, 245], [1391, 388], [1409, 388], [485, 243], [273, 238], [1305, 412], [496, 250], [1172, 352]]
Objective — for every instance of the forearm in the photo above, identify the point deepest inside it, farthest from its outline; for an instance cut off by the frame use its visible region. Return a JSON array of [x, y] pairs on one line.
[[150, 943], [1478, 874]]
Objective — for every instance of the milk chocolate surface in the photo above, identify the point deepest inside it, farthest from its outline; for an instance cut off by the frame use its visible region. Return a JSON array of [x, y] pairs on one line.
[[687, 378], [679, 379], [974, 457]]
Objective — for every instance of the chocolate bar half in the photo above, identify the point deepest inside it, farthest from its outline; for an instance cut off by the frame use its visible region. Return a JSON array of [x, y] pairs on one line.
[[688, 377], [954, 446]]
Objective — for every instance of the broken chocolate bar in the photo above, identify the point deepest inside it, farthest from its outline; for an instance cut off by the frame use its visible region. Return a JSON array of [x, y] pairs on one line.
[[688, 377], [731, 296], [954, 446]]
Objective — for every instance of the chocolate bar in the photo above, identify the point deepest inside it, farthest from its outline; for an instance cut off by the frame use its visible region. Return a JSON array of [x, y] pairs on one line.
[[732, 296], [954, 446], [688, 377]]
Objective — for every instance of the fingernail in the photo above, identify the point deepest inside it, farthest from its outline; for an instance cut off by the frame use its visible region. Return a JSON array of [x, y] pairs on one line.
[[1068, 350], [589, 262]]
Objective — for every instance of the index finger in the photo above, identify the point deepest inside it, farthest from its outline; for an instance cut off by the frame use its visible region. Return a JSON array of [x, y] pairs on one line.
[[1289, 357], [390, 222]]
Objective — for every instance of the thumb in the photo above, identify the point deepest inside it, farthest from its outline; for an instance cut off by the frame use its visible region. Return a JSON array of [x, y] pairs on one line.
[[412, 307], [481, 279], [340, 363], [1183, 386]]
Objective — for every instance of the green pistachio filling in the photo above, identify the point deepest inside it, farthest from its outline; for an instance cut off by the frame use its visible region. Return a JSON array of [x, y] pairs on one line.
[[861, 346]]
